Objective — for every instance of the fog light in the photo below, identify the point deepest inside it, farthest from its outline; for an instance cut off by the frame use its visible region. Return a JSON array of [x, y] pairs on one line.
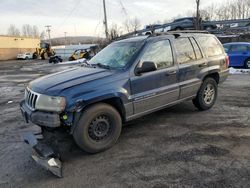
[[65, 117]]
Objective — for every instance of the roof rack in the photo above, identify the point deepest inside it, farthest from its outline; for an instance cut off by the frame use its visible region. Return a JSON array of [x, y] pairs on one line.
[[177, 33]]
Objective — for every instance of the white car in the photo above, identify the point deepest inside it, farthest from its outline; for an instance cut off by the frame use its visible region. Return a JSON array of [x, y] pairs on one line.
[[26, 55]]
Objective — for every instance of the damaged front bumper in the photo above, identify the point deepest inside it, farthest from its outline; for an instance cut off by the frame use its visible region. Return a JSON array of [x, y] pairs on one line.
[[44, 155]]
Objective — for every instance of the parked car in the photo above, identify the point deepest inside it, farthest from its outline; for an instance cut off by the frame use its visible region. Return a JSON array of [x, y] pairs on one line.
[[126, 80], [239, 54], [187, 23], [26, 55]]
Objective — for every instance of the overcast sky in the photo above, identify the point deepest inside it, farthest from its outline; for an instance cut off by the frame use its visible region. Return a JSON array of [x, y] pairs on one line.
[[84, 17]]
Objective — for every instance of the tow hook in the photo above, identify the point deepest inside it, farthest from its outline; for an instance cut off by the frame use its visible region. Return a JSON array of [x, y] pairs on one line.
[[44, 155]]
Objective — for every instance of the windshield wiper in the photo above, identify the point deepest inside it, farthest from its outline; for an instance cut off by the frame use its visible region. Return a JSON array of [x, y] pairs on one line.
[[102, 66], [85, 63]]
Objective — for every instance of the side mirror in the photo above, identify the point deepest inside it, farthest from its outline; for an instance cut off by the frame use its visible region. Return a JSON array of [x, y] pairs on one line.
[[147, 66]]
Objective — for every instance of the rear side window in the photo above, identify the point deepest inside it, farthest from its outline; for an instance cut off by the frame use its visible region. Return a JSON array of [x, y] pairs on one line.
[[184, 50], [160, 53], [211, 47], [239, 48], [196, 49]]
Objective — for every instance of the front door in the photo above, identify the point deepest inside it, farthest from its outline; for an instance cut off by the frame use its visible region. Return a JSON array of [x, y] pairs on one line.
[[155, 89]]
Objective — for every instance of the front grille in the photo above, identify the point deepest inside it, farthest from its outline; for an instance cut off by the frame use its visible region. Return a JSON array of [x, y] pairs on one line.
[[30, 98]]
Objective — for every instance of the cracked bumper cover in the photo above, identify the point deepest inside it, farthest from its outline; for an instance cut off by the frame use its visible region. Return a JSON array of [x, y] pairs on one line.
[[44, 155], [47, 119]]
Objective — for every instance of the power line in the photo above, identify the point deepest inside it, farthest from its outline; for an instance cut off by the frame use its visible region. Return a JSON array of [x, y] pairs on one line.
[[123, 8], [70, 13]]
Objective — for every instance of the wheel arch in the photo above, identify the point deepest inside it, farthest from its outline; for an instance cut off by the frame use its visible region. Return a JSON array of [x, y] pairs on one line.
[[214, 75]]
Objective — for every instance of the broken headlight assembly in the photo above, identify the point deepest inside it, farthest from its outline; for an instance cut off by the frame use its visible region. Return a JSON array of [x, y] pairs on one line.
[[50, 103]]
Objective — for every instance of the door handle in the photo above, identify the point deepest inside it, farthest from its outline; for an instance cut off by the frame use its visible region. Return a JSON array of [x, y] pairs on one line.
[[170, 73], [203, 65]]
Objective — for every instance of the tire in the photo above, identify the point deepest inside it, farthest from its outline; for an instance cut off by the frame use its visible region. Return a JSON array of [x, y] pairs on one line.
[[206, 101], [247, 64], [35, 55], [44, 56], [26, 58], [71, 59], [98, 128]]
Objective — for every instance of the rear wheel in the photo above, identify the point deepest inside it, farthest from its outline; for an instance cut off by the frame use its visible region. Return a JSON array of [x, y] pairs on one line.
[[206, 95], [247, 64], [98, 129]]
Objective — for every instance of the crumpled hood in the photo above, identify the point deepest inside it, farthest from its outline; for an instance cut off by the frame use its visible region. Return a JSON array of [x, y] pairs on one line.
[[53, 84]]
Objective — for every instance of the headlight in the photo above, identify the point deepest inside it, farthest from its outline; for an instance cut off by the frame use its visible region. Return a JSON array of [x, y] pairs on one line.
[[50, 103]]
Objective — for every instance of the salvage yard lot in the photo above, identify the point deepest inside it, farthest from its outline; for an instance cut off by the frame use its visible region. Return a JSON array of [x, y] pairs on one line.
[[178, 146]]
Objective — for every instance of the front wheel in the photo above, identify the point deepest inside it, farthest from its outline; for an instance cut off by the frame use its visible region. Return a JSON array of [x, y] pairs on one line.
[[98, 129], [206, 95]]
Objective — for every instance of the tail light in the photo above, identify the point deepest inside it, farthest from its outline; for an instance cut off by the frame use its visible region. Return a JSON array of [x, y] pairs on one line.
[[227, 61]]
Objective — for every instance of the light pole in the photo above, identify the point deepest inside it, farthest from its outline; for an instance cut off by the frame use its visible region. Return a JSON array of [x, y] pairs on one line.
[[105, 19], [48, 30], [65, 33]]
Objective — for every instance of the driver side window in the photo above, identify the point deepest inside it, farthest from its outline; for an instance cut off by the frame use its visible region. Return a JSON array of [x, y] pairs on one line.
[[160, 53]]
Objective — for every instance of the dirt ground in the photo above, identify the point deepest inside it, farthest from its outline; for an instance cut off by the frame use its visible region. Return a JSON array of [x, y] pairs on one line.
[[175, 147]]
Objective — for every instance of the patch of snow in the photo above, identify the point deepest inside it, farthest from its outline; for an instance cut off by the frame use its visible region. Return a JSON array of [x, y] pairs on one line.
[[238, 71], [79, 61]]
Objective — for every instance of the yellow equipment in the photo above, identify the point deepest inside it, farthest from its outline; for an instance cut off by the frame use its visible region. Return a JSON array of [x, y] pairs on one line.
[[79, 54], [45, 51]]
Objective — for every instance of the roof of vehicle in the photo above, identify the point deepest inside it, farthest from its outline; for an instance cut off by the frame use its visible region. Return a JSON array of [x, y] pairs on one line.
[[184, 18], [237, 43]]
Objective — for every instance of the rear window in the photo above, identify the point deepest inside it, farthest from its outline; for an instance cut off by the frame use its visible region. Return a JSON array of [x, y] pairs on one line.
[[211, 47], [239, 48]]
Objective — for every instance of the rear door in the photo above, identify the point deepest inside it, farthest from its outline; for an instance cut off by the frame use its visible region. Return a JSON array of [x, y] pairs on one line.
[[155, 89], [190, 62]]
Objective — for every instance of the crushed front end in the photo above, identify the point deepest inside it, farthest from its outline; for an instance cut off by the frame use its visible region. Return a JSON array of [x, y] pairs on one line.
[[46, 112]]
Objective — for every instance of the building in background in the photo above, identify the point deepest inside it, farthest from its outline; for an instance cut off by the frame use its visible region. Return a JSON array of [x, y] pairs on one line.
[[11, 46]]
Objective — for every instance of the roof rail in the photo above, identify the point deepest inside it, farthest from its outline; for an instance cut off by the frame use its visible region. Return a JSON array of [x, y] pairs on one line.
[[177, 33]]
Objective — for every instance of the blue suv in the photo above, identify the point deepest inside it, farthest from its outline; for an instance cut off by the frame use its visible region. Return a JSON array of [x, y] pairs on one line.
[[126, 80]]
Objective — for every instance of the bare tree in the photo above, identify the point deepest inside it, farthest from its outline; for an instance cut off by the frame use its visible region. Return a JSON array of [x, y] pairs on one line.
[[13, 30], [27, 30], [35, 31], [131, 25], [114, 32], [43, 35], [231, 9]]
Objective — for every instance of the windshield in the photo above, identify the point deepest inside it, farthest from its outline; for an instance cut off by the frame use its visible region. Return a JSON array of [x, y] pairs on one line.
[[116, 55]]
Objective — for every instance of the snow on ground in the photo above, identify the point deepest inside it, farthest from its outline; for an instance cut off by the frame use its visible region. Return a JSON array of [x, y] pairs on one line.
[[238, 71]]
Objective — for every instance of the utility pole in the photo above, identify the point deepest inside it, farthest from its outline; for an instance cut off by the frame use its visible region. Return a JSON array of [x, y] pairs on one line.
[[65, 33], [105, 19], [48, 30], [198, 18]]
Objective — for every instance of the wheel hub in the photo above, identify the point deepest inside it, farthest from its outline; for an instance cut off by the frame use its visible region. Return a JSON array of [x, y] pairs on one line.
[[209, 93], [99, 128]]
